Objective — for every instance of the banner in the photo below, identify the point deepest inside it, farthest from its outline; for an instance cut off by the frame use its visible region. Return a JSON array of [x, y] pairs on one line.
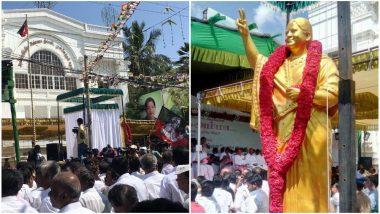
[[171, 128], [222, 133]]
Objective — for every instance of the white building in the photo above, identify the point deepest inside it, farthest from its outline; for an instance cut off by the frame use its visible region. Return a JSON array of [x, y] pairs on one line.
[[364, 20], [365, 39], [57, 40]]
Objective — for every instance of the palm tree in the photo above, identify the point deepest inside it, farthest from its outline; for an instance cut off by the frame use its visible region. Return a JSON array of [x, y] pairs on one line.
[[141, 52], [183, 61]]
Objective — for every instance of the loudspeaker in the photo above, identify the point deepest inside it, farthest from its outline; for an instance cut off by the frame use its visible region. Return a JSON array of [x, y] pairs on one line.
[[366, 161], [52, 151]]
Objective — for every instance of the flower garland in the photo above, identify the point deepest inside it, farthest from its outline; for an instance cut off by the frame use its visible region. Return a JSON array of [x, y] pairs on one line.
[[280, 163]]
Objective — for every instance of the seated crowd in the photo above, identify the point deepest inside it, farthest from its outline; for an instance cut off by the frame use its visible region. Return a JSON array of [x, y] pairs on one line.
[[109, 181]]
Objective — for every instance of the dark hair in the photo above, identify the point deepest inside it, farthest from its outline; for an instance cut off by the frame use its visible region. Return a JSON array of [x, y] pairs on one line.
[[255, 179], [218, 181], [86, 178], [134, 164], [26, 172], [194, 191], [119, 165], [80, 120], [167, 156], [103, 166], [207, 188], [123, 195], [159, 205], [201, 178], [11, 182], [69, 186], [374, 179], [181, 155], [49, 169], [336, 185], [149, 99], [74, 164]]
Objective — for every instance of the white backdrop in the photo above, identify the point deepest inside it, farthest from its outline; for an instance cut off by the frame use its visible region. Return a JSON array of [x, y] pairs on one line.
[[105, 130]]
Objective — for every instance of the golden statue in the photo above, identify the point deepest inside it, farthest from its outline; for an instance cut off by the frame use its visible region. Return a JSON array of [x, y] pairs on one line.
[[299, 156]]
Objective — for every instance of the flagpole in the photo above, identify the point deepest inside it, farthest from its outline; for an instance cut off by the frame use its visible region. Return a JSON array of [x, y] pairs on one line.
[[30, 82]]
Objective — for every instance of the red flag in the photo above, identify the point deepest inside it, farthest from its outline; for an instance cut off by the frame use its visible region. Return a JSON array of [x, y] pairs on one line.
[[23, 30]]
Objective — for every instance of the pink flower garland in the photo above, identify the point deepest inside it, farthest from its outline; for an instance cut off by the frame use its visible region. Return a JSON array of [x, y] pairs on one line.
[[279, 164]]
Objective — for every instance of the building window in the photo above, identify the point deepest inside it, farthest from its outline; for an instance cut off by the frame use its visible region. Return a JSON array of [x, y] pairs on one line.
[[48, 73], [21, 81]]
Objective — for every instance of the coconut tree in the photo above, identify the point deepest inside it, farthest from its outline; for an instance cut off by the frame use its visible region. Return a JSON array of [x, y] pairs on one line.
[[140, 50], [183, 61]]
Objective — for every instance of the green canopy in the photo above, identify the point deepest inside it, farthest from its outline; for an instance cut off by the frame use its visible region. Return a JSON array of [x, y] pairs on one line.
[[97, 94], [291, 6], [94, 106], [217, 45]]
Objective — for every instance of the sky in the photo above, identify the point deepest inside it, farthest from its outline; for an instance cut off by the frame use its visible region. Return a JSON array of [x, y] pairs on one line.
[[267, 20], [152, 13]]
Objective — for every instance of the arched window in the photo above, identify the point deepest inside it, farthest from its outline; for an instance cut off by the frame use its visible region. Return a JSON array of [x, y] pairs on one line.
[[47, 74]]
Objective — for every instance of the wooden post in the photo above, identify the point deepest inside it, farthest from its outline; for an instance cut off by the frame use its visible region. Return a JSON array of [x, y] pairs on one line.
[[347, 165]]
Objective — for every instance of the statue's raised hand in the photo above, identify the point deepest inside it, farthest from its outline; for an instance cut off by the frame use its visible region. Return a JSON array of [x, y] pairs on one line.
[[241, 23]]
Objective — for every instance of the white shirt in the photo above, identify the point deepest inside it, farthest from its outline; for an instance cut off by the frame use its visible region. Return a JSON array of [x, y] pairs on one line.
[[47, 207], [92, 200], [75, 207], [99, 185], [242, 193], [251, 160], [261, 162], [224, 199], [37, 196], [204, 170], [265, 187], [239, 160], [135, 182], [170, 190], [261, 200], [209, 204], [138, 174], [167, 169], [11, 204], [153, 184], [334, 200], [25, 193]]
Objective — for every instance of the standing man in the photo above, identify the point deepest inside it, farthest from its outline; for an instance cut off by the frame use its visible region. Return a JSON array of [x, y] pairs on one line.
[[81, 138]]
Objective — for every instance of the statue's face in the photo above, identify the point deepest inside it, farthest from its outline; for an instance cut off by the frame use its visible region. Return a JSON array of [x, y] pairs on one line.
[[295, 37]]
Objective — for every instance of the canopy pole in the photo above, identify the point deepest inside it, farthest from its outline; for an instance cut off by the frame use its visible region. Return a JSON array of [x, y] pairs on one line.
[[88, 105], [199, 147], [124, 127], [59, 134]]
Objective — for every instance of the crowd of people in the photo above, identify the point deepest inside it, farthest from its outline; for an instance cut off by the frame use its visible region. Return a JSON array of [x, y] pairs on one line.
[[367, 196], [138, 180], [228, 181]]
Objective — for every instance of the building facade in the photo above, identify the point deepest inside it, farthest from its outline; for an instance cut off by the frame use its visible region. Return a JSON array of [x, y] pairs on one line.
[[365, 40], [58, 45]]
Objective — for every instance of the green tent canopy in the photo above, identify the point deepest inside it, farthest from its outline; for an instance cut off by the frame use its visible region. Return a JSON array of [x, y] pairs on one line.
[[223, 46], [97, 95]]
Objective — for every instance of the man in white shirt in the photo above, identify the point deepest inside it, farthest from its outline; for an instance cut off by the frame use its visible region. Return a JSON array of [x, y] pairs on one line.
[[167, 159], [205, 169], [152, 177], [11, 183], [206, 200], [260, 160], [90, 198], [44, 176], [239, 160], [65, 193], [118, 174], [169, 185], [250, 158], [223, 198], [26, 189], [258, 201]]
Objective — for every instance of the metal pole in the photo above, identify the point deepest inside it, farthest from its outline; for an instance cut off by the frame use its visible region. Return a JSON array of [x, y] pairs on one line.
[[347, 181], [199, 147], [12, 102], [30, 84], [124, 126], [88, 104], [59, 133]]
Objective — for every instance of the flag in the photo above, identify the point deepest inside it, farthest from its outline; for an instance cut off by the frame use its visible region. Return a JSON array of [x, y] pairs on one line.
[[23, 30], [171, 128]]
